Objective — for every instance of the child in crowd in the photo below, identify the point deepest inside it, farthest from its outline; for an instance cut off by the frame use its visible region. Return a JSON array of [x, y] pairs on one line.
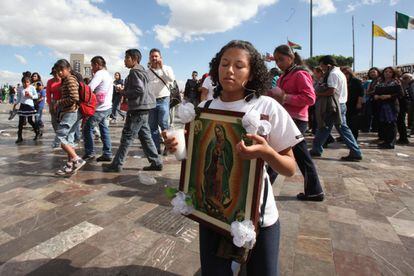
[[25, 97], [241, 77]]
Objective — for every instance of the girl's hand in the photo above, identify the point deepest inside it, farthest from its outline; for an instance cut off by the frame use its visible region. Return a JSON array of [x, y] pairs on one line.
[[170, 142], [257, 150]]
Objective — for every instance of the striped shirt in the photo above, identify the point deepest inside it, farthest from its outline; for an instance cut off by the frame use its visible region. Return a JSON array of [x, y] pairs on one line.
[[69, 94]]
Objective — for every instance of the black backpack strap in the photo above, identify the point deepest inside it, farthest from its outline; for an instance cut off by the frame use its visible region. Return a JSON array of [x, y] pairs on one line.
[[207, 104], [263, 207]]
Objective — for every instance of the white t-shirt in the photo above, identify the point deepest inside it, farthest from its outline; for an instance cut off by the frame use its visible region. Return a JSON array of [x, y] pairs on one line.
[[102, 85], [338, 81], [284, 134], [208, 84], [156, 86]]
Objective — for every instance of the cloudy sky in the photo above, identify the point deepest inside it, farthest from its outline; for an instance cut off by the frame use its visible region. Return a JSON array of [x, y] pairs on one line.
[[34, 34]]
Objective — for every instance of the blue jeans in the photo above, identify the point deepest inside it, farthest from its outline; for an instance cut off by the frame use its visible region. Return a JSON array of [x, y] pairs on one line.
[[100, 118], [39, 116], [136, 123], [263, 259], [116, 102], [67, 127], [159, 116], [322, 135]]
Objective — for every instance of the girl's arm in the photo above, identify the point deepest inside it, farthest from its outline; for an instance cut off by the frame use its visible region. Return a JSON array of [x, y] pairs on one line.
[[283, 162]]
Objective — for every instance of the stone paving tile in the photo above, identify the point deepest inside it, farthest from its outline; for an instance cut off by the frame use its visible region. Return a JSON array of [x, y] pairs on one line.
[[348, 237], [318, 248], [344, 215], [4, 237], [307, 265], [350, 264], [402, 227], [24, 263], [379, 231]]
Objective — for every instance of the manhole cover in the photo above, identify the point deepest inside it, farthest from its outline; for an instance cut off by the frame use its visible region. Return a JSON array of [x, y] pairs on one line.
[[162, 220]]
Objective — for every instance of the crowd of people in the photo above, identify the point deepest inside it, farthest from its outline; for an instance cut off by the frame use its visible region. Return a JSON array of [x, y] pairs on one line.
[[297, 99]]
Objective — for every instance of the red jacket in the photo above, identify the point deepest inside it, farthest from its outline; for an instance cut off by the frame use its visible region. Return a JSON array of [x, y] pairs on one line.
[[53, 91], [298, 86]]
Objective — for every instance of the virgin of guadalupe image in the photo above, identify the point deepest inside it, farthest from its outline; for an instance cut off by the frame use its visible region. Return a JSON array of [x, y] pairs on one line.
[[217, 170]]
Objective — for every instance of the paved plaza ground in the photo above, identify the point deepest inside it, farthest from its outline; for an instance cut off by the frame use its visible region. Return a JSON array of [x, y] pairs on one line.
[[96, 223]]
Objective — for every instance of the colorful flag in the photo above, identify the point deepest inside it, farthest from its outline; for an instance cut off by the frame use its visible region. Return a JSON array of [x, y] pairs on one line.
[[405, 21], [378, 31], [294, 45], [268, 57]]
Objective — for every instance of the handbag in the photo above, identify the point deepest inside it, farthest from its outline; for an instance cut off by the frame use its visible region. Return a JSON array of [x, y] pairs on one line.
[[175, 97]]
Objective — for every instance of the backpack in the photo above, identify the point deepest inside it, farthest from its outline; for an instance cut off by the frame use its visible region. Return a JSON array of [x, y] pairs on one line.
[[87, 100]]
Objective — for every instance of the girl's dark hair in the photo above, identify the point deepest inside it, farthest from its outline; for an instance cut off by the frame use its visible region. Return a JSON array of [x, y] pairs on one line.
[[119, 74], [374, 69], [27, 74], [26, 78], [259, 75], [135, 54], [394, 72], [99, 60], [328, 60], [38, 76], [61, 64], [287, 51]]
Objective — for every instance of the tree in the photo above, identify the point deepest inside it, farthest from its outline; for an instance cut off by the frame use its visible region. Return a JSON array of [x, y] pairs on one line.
[[341, 60]]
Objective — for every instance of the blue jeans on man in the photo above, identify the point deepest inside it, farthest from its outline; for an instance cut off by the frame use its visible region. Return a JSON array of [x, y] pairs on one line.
[[322, 135], [159, 116], [100, 118], [136, 124]]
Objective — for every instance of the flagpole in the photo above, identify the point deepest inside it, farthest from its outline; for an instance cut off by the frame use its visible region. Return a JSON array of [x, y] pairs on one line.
[[311, 28], [372, 44], [396, 40], [353, 44]]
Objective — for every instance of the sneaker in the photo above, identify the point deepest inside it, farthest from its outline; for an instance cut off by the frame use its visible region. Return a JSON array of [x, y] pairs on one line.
[[104, 158], [77, 164], [88, 157], [66, 169], [110, 168], [351, 158], [302, 196], [152, 167], [385, 146], [19, 140]]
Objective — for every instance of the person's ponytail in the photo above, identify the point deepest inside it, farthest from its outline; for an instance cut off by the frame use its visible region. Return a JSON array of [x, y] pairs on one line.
[[297, 59]]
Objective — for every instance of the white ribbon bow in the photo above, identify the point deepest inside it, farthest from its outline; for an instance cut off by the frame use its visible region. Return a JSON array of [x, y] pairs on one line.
[[243, 233], [186, 112], [180, 206], [252, 123]]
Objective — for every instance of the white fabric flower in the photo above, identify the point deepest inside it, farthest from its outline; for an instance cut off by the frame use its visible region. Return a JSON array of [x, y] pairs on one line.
[[252, 123], [186, 112], [180, 206], [243, 233]]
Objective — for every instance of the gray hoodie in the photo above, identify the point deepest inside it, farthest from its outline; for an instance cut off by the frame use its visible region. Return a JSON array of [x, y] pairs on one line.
[[137, 91]]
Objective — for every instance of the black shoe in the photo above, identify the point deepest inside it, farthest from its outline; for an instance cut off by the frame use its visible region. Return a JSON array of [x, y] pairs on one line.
[[88, 157], [302, 196], [152, 167], [315, 154], [402, 142], [104, 158], [351, 158], [111, 168], [19, 140], [385, 146], [37, 135]]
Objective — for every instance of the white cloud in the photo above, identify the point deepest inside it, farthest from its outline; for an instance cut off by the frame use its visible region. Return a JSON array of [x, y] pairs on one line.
[[391, 30], [74, 26], [205, 17], [322, 7], [20, 58], [8, 77], [352, 6], [394, 2], [96, 1]]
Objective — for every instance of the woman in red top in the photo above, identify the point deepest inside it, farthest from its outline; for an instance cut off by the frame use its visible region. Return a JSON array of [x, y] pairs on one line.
[[296, 93], [52, 96]]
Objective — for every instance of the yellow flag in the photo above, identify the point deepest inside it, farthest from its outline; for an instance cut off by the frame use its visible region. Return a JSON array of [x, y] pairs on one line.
[[378, 31]]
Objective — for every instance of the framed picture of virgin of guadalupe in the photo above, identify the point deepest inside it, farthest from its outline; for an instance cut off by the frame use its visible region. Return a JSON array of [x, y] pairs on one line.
[[222, 186]]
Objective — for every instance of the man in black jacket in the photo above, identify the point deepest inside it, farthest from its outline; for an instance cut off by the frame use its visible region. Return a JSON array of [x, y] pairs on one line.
[[140, 101], [191, 93], [408, 85]]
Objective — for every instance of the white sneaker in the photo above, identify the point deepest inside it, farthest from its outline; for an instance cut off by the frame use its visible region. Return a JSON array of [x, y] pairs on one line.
[[77, 164], [66, 169]]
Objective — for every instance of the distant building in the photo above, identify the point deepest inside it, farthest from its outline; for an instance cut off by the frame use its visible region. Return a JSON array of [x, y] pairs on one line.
[[77, 61]]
